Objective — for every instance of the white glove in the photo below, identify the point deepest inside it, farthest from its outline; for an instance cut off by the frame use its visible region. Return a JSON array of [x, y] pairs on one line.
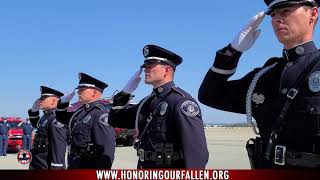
[[249, 34], [68, 97], [133, 82], [36, 106]]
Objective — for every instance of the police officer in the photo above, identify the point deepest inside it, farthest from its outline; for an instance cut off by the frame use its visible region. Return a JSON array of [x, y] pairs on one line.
[[27, 134], [287, 118], [171, 133], [4, 129], [92, 140], [50, 142]]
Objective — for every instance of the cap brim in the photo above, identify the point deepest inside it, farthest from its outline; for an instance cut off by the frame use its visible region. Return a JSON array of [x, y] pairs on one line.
[[286, 4], [90, 88]]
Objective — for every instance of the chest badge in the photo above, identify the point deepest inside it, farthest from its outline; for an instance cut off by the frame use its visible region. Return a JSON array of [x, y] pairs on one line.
[[57, 124], [163, 108], [314, 81], [258, 98], [44, 123], [86, 119]]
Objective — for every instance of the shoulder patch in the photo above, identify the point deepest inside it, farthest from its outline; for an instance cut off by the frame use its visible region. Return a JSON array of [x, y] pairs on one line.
[[190, 108], [176, 90], [104, 119], [57, 124]]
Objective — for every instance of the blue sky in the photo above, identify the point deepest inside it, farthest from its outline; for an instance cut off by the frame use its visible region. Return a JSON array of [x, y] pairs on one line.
[[49, 42]]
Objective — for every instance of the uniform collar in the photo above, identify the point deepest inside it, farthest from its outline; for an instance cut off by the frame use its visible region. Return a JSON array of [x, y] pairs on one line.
[[164, 88], [90, 105], [298, 51], [48, 111]]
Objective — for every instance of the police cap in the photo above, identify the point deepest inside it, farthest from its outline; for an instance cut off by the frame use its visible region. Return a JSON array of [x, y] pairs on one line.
[[155, 54], [46, 92], [86, 81], [274, 4]]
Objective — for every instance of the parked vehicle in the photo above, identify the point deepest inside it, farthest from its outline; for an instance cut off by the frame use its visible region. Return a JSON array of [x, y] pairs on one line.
[[15, 133], [125, 137]]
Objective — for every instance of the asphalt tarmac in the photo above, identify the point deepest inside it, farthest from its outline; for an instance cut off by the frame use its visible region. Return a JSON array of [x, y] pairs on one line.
[[226, 149]]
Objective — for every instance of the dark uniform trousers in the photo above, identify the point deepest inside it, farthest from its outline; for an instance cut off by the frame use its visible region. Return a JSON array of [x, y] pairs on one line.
[[4, 128], [49, 150], [27, 136], [262, 93], [92, 140], [174, 136]]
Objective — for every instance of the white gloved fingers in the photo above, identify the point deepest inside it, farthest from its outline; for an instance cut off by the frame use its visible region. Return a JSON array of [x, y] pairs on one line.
[[257, 20], [257, 33], [133, 82], [68, 97], [249, 34], [36, 105], [138, 73], [254, 23]]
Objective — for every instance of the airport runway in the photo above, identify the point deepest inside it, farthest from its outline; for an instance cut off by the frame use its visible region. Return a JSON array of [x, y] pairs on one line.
[[226, 148]]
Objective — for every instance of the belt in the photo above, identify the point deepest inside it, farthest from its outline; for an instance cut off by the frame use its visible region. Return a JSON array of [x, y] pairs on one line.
[[155, 156], [85, 150], [294, 158]]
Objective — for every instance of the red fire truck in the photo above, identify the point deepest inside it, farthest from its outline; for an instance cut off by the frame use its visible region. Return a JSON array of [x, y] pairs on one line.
[[15, 133]]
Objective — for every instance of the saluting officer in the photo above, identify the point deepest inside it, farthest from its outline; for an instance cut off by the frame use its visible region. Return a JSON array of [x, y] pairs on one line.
[[92, 140], [50, 142], [171, 132], [4, 130], [27, 134], [281, 96]]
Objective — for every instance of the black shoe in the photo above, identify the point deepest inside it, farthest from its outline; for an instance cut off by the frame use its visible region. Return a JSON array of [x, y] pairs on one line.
[[5, 155]]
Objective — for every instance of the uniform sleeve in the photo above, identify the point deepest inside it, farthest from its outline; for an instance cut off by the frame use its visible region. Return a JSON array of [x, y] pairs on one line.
[[62, 114], [104, 136], [34, 117], [58, 144], [123, 118], [217, 92], [191, 134], [122, 114]]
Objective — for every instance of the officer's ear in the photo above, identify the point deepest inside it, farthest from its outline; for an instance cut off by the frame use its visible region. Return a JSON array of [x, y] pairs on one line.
[[314, 15]]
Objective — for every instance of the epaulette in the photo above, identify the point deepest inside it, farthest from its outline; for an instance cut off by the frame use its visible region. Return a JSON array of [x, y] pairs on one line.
[[101, 106], [272, 61], [175, 89]]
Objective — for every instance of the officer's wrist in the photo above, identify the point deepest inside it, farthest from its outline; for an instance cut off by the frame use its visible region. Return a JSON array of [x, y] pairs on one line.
[[229, 50]]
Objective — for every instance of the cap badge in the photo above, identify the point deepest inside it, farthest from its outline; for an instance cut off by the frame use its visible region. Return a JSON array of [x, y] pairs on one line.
[[146, 51]]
